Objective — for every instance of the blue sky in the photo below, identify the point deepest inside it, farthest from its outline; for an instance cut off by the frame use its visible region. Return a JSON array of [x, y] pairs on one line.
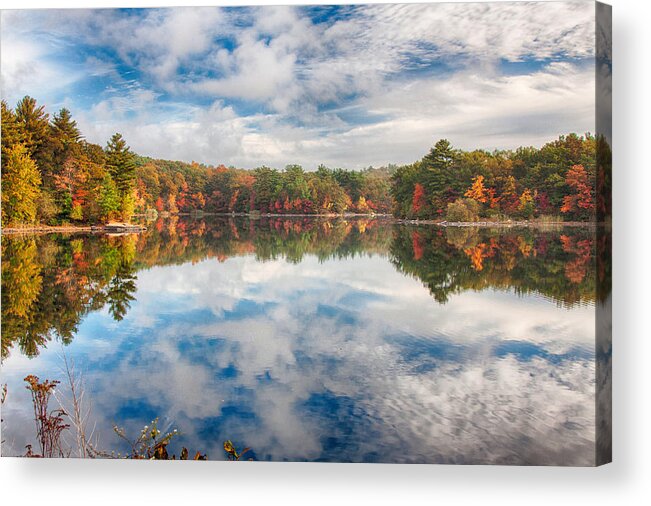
[[347, 86]]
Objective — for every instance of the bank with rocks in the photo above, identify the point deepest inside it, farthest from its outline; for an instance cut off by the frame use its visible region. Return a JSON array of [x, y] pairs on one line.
[[107, 228]]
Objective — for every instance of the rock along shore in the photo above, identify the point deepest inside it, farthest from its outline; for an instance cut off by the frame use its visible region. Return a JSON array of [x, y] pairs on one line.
[[108, 228]]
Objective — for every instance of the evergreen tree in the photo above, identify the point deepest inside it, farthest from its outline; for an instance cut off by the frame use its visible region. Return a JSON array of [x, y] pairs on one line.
[[34, 122], [295, 184], [65, 127], [63, 142], [122, 168], [93, 152], [438, 174]]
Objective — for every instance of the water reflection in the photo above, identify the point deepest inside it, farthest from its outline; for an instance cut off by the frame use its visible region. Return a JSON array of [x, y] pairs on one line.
[[317, 340], [558, 265]]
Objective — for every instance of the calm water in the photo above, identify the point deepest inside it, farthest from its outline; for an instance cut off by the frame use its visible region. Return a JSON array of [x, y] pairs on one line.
[[314, 340]]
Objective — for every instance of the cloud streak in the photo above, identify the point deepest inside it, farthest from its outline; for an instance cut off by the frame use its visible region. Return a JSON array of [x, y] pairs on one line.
[[343, 85]]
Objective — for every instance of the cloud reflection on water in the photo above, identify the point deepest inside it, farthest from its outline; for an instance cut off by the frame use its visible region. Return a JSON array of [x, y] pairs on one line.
[[344, 359]]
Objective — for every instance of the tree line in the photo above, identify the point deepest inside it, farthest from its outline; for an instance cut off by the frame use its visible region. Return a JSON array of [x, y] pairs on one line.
[[562, 179], [52, 175], [174, 187]]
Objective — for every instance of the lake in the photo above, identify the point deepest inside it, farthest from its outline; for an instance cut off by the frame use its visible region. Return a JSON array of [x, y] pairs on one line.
[[348, 340]]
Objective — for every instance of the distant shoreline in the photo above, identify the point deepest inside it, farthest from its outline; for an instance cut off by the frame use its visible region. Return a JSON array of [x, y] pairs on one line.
[[402, 221], [136, 228], [499, 224]]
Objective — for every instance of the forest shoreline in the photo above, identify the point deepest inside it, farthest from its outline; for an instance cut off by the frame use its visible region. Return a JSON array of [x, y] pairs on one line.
[[137, 228]]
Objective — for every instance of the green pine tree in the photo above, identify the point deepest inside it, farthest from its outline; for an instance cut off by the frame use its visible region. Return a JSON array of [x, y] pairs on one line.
[[121, 165], [34, 122], [438, 173], [65, 127]]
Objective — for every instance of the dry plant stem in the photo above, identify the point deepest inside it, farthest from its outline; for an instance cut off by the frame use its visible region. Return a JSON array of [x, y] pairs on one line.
[[79, 411]]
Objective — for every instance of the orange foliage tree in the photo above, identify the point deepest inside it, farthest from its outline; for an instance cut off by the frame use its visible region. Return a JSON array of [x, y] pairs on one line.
[[477, 191], [581, 202]]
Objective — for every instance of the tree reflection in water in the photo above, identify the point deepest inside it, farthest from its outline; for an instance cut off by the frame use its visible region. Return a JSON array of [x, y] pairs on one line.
[[50, 282]]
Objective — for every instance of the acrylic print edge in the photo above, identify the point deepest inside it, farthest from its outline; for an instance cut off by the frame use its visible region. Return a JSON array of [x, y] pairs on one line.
[[603, 313]]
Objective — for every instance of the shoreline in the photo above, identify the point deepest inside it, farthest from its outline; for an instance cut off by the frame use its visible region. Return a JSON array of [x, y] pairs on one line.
[[500, 224], [131, 229], [74, 229]]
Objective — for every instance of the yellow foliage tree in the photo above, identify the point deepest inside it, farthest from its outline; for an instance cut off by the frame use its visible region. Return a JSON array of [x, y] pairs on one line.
[[477, 191], [21, 187], [362, 205], [527, 207]]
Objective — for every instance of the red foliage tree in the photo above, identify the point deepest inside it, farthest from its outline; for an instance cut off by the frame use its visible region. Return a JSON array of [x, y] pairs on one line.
[[581, 202], [543, 204], [418, 200]]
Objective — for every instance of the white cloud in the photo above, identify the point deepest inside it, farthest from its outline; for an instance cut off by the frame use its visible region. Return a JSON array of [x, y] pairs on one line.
[[261, 72], [26, 65], [471, 109], [352, 92]]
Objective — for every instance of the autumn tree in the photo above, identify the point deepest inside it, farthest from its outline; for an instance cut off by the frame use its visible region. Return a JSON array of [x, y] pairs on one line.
[[543, 205], [509, 199], [108, 198], [12, 131], [504, 181], [527, 206], [362, 205], [581, 201], [477, 191], [20, 187], [418, 200], [447, 173], [327, 195]]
